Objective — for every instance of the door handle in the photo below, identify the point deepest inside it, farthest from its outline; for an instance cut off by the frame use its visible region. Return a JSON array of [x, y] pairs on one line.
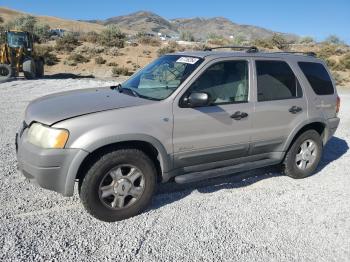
[[295, 109], [239, 115]]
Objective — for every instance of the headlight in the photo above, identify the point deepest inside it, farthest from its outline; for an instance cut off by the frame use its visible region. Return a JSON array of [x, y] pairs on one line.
[[47, 137]]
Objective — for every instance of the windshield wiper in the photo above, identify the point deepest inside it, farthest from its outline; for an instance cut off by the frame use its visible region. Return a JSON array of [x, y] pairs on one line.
[[126, 90]]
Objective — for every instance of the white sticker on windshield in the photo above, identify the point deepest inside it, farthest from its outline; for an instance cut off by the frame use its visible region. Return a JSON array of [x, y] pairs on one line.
[[187, 60]]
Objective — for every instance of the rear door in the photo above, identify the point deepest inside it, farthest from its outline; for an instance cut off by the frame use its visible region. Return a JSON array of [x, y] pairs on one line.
[[280, 105]]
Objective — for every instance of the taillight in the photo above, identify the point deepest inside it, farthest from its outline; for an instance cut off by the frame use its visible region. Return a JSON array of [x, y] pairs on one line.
[[338, 105]]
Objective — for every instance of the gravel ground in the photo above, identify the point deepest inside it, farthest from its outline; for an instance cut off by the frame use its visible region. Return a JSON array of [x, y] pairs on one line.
[[253, 216]]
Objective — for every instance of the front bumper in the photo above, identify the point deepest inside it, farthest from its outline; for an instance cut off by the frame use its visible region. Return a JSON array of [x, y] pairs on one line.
[[53, 169]]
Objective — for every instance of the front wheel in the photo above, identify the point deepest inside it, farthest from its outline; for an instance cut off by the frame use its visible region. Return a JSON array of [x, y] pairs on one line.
[[6, 72], [304, 155], [119, 185]]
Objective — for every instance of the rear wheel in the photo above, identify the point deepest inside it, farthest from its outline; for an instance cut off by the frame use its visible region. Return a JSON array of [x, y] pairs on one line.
[[29, 69], [6, 72], [119, 185], [39, 68], [304, 155]]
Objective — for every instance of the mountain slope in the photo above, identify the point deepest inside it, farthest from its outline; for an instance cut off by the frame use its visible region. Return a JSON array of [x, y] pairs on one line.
[[199, 27], [54, 22], [143, 21]]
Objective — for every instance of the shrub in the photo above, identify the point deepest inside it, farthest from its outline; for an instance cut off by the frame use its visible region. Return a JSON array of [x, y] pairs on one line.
[[136, 66], [42, 32], [279, 41], [199, 47], [331, 63], [170, 48], [46, 52], [134, 44], [215, 39], [345, 61], [112, 64], [327, 51], [112, 37], [333, 39], [306, 40], [91, 37], [264, 43], [90, 51], [99, 60], [70, 63], [339, 67], [187, 36], [114, 51], [146, 52], [339, 79], [2, 35], [118, 71], [239, 40], [174, 45], [67, 43], [78, 58], [147, 40], [23, 23]]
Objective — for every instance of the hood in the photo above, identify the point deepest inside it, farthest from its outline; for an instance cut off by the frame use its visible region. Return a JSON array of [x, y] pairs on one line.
[[60, 106]]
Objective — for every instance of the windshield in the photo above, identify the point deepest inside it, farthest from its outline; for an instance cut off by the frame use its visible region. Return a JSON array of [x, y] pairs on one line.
[[17, 39], [162, 77]]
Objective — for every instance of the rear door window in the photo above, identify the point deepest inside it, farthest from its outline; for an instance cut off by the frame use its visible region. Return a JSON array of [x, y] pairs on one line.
[[318, 78], [276, 81]]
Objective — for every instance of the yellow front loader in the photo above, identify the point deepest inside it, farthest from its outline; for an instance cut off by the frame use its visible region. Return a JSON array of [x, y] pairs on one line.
[[17, 55]]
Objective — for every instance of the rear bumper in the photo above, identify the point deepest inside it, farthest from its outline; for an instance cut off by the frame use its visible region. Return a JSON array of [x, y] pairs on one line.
[[53, 169], [333, 124]]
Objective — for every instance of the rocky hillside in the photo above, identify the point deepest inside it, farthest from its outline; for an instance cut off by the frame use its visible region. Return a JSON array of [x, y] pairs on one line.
[[149, 22], [201, 27], [143, 22]]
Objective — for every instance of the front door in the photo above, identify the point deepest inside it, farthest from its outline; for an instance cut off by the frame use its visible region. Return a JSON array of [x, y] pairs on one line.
[[219, 131]]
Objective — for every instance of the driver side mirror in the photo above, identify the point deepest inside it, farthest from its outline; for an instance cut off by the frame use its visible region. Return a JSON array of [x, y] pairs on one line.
[[196, 99]]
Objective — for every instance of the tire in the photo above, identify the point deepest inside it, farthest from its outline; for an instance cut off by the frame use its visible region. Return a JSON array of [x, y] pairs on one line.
[[108, 181], [29, 69], [6, 72], [40, 68], [304, 155]]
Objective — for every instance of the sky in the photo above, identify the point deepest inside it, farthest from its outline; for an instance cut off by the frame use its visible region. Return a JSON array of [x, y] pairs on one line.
[[318, 19]]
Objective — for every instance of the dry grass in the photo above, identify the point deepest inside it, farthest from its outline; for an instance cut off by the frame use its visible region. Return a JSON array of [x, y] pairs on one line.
[[54, 22]]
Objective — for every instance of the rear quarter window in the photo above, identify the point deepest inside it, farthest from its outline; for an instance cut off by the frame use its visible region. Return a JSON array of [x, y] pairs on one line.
[[318, 77]]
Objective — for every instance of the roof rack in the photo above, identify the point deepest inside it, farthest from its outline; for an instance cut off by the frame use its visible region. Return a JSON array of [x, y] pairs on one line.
[[254, 49], [295, 52], [250, 49]]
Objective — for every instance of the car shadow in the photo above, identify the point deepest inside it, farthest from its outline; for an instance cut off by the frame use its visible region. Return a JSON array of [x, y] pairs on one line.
[[334, 149], [66, 76]]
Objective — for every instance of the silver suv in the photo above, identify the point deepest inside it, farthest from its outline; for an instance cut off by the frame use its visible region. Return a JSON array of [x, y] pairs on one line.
[[185, 117]]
